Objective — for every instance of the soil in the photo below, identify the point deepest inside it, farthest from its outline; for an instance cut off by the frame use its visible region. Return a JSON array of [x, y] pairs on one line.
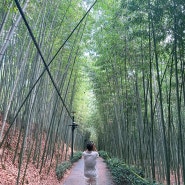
[[9, 171]]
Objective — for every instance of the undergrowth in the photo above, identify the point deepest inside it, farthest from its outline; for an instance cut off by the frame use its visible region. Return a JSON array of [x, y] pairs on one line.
[[64, 166], [123, 174], [76, 156]]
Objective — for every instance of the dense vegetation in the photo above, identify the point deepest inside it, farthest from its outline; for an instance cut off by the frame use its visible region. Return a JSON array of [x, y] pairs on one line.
[[38, 80], [118, 64], [138, 80], [65, 165], [123, 174]]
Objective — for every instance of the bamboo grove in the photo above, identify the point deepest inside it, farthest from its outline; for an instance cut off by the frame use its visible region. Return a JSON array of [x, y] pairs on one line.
[[138, 76], [133, 53], [38, 80]]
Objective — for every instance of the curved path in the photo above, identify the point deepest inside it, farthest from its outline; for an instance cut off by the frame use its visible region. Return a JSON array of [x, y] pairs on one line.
[[76, 176]]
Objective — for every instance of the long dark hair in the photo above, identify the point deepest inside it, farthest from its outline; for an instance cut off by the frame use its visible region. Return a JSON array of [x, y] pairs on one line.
[[90, 146]]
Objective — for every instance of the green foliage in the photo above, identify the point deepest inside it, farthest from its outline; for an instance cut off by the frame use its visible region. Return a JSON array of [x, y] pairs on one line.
[[104, 154], [122, 173], [76, 156], [61, 169]]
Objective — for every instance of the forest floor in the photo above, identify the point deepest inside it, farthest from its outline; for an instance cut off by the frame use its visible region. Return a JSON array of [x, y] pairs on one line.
[[9, 171]]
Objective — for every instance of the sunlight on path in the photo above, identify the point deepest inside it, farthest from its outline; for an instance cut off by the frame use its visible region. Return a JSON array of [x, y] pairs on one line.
[[76, 176]]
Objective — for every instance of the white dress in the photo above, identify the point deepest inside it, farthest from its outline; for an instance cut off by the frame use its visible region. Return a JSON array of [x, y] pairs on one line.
[[90, 163]]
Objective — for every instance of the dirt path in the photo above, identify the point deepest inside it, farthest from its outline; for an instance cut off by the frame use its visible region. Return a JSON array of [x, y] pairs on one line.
[[76, 176]]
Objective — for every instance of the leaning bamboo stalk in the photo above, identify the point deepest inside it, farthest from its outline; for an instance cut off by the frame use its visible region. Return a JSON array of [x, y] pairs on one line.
[[13, 92], [5, 19], [167, 164], [11, 32]]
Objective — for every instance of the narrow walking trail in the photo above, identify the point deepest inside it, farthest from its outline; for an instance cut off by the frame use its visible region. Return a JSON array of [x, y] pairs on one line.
[[76, 176]]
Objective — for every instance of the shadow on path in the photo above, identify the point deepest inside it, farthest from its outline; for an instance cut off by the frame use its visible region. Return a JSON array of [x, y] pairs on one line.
[[76, 176]]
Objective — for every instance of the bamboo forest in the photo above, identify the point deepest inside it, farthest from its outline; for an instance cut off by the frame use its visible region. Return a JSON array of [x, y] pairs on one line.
[[110, 71]]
